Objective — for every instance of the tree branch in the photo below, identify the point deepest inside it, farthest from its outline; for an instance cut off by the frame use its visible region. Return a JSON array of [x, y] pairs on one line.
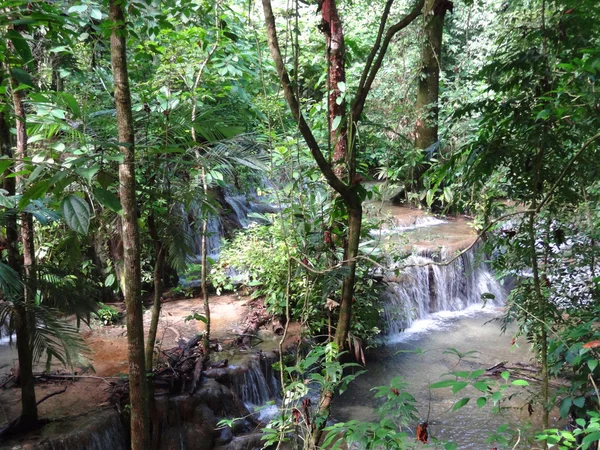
[[51, 394], [376, 46], [361, 96], [338, 185], [564, 172]]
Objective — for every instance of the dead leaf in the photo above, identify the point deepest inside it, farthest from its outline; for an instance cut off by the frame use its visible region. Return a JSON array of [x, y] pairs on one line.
[[591, 344], [331, 304], [422, 434]]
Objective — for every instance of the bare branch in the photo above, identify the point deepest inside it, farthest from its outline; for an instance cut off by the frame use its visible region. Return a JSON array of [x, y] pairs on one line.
[[564, 172], [375, 48], [338, 185], [51, 394], [361, 96]]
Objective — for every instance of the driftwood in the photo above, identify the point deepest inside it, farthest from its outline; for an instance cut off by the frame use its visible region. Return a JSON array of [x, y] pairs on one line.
[[51, 394], [257, 318], [521, 371]]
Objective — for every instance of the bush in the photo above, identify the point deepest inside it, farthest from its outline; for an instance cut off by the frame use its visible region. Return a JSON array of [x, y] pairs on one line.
[[107, 314]]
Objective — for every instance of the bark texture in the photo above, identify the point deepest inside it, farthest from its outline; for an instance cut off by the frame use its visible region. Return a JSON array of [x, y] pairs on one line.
[[206, 339], [426, 131], [336, 76], [159, 263], [140, 421], [25, 266]]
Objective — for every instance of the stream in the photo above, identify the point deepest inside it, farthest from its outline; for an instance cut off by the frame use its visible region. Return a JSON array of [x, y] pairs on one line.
[[429, 309], [470, 330]]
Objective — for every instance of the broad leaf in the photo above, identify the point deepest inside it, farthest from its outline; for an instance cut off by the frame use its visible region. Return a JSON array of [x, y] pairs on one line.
[[77, 213]]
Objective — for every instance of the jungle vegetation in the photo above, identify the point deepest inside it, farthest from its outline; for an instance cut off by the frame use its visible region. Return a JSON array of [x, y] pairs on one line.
[[122, 124]]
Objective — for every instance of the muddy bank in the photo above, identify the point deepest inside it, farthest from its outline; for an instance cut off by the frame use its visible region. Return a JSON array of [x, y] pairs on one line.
[[232, 383]]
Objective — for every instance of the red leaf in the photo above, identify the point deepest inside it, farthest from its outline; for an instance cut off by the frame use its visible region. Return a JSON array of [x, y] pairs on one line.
[[591, 344]]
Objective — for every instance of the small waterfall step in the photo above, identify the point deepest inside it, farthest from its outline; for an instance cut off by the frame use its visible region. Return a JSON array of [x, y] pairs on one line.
[[424, 289]]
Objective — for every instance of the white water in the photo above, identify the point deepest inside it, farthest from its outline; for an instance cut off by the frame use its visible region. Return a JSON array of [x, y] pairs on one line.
[[426, 293]]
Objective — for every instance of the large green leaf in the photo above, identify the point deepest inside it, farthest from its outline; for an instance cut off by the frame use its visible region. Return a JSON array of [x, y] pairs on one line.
[[77, 213], [108, 199], [21, 46]]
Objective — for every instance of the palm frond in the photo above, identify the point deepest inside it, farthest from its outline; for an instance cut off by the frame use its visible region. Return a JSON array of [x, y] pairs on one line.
[[55, 338]]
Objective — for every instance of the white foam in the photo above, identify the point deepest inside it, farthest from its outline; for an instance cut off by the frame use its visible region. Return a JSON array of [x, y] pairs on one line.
[[442, 320], [419, 222]]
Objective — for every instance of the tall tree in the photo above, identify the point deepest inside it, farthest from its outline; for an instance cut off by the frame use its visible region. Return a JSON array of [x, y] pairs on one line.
[[29, 413], [426, 130], [138, 388], [339, 173]]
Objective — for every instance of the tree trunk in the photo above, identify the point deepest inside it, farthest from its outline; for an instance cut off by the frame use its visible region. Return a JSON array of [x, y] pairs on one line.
[[206, 339], [426, 130], [27, 230], [24, 323], [159, 262], [336, 76], [350, 255], [140, 421]]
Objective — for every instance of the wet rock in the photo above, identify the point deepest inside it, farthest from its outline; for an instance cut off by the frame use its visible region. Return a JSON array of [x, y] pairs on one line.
[[226, 436], [245, 442]]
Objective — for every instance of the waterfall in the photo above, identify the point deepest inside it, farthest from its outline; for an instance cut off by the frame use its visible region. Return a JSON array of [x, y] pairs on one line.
[[100, 431], [241, 207], [423, 290], [256, 383]]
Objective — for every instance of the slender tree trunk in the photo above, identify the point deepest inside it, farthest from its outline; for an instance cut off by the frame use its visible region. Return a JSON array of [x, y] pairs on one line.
[[138, 388], [342, 139], [350, 255], [426, 130], [29, 413], [159, 262], [537, 286], [206, 339], [27, 229]]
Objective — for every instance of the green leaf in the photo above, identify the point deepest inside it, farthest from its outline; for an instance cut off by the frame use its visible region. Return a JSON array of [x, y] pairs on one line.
[[459, 386], [565, 407], [88, 172], [443, 384], [459, 404], [336, 123], [38, 190], [520, 383], [21, 46], [22, 76], [505, 375], [589, 440], [5, 164], [96, 14], [481, 401], [592, 364], [72, 103], [108, 199], [110, 280], [104, 178], [77, 9], [579, 402], [429, 198], [77, 213], [481, 386]]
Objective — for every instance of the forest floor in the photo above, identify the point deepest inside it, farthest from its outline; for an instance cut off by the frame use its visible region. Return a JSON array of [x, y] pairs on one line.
[[107, 359]]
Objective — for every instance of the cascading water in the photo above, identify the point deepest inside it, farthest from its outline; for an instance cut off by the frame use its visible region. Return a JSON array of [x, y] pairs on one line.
[[424, 289], [256, 384], [99, 431]]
